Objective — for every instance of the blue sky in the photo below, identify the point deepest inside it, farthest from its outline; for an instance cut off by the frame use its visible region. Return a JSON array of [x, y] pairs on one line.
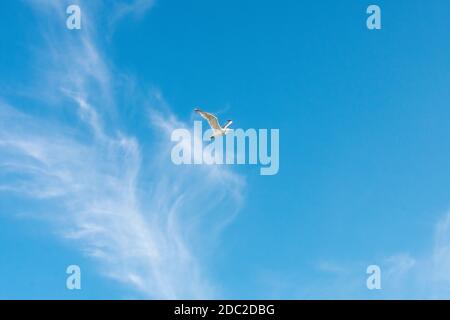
[[85, 170]]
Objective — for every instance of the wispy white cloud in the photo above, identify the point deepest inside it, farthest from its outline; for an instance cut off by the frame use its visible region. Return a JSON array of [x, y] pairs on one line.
[[423, 275], [134, 7], [404, 275], [147, 222], [330, 267]]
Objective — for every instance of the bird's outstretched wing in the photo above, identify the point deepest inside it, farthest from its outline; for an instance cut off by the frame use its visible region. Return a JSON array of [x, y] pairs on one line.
[[229, 122], [212, 120]]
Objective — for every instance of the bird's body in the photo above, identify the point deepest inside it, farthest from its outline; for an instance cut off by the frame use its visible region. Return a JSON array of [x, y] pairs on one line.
[[214, 123]]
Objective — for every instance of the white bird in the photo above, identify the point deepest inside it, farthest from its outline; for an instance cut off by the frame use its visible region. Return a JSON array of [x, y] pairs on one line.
[[214, 123]]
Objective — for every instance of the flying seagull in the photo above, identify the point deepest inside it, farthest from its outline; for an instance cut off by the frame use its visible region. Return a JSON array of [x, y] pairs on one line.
[[214, 123]]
